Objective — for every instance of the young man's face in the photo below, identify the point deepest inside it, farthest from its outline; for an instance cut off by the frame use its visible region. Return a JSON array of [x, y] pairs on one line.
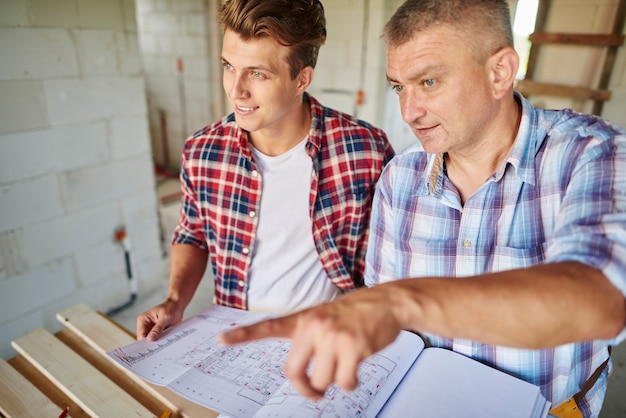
[[258, 83], [445, 94]]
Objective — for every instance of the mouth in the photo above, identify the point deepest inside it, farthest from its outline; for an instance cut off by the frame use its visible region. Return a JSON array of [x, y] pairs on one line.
[[424, 131], [245, 110]]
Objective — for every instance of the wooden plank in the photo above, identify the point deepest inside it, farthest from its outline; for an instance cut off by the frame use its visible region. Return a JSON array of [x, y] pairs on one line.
[[19, 398], [120, 377], [82, 382], [610, 41], [528, 87], [103, 334], [47, 387], [577, 39]]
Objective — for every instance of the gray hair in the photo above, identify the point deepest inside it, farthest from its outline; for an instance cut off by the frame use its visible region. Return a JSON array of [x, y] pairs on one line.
[[485, 24]]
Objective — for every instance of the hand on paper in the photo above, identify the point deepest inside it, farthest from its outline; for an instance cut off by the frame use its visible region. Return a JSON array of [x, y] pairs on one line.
[[336, 335], [154, 321]]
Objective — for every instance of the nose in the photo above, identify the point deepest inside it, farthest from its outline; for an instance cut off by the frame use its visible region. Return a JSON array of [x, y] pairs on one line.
[[411, 107], [234, 85]]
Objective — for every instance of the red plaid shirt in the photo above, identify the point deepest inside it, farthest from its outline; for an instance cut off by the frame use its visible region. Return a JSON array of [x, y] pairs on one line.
[[222, 193]]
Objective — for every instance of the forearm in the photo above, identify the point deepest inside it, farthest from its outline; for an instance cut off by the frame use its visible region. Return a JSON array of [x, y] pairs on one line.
[[537, 307], [188, 264]]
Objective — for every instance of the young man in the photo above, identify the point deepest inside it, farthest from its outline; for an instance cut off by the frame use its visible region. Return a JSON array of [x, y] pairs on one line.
[[508, 223], [278, 194]]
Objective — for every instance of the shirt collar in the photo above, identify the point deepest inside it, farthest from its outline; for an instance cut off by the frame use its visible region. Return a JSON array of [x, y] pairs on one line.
[[317, 124], [522, 157], [530, 137]]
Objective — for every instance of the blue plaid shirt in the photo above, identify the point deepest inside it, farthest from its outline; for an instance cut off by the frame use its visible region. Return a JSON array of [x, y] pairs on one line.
[[560, 196]]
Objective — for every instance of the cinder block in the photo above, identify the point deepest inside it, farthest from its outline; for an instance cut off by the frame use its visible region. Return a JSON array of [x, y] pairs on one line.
[[337, 101], [64, 235], [195, 6], [162, 5], [22, 106], [169, 214], [144, 6], [101, 14], [12, 261], [192, 46], [100, 261], [148, 43], [128, 54], [36, 288], [130, 15], [198, 91], [58, 13], [51, 151], [146, 242], [198, 117], [193, 24], [153, 272], [161, 23], [105, 294], [36, 53], [170, 104], [21, 202], [13, 327], [129, 137], [200, 67], [14, 13], [140, 209], [332, 53], [336, 22], [104, 183], [84, 100], [98, 51], [166, 45], [345, 79]]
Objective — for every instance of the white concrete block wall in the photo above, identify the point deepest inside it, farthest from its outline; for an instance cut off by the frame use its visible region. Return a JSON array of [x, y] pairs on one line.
[[180, 99], [339, 73], [75, 161], [27, 108]]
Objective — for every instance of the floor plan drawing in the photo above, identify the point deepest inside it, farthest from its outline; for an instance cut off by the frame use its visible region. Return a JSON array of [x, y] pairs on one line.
[[241, 380]]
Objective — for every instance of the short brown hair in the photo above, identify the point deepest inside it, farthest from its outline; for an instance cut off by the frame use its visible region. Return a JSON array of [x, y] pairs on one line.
[[485, 24], [298, 24]]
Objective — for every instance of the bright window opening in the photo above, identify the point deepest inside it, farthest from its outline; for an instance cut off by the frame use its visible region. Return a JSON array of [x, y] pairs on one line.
[[523, 26]]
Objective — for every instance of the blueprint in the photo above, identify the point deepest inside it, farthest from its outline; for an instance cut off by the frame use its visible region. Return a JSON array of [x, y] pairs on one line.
[[247, 380]]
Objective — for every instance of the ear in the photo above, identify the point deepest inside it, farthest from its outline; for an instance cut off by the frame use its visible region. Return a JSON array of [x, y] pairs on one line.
[[304, 79], [503, 66]]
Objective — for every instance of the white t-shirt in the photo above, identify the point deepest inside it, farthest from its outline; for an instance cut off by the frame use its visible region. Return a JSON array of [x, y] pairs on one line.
[[286, 273]]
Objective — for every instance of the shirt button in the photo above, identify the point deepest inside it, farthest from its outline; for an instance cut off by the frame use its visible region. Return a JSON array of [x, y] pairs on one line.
[[467, 243], [246, 250], [252, 214], [241, 283], [255, 173]]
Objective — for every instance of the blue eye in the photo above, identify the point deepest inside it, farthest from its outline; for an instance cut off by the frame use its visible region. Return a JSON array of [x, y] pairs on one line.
[[397, 88], [430, 82], [257, 75]]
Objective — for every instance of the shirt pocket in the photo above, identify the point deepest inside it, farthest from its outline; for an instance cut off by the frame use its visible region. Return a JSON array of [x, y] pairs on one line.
[[508, 258]]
